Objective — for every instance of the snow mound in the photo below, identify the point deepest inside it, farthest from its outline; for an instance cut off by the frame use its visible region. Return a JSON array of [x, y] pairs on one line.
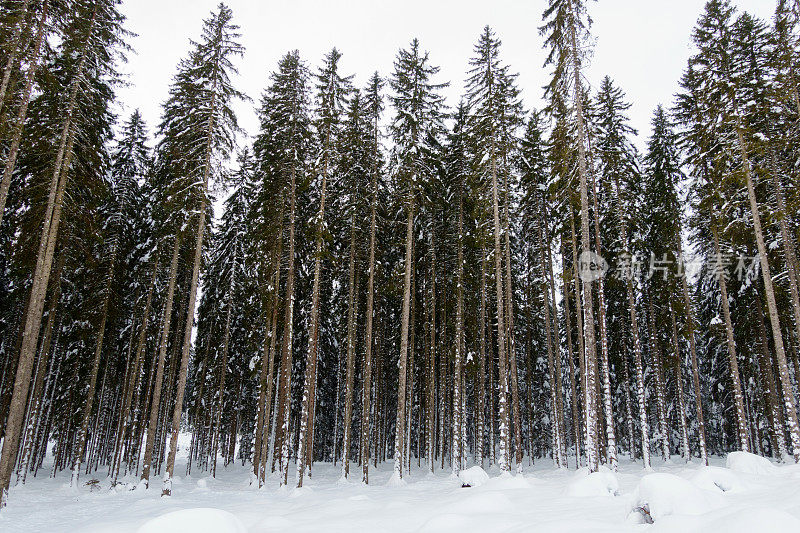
[[661, 495], [743, 520], [474, 477], [749, 463], [506, 481], [198, 520], [593, 485], [714, 478]]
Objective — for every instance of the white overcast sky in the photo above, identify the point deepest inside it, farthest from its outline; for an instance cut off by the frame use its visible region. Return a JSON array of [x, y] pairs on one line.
[[642, 44]]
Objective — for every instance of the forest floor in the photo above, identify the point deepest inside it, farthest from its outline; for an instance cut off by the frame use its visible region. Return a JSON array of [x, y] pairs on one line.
[[738, 493]]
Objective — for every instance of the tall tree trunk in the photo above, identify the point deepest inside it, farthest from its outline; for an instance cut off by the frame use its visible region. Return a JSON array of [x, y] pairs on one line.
[[22, 111], [431, 382], [509, 315], [733, 365], [267, 401], [611, 441], [284, 379], [768, 384], [588, 306], [791, 260], [576, 419], [503, 415], [685, 450], [458, 415], [548, 326], [41, 278], [404, 328], [352, 320], [690, 325], [306, 421], [15, 47], [35, 403], [155, 402], [556, 344], [367, 390], [661, 400], [187, 330], [790, 404], [579, 324], [481, 392]]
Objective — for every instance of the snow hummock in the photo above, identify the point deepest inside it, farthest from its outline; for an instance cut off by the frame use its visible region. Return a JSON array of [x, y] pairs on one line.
[[714, 478], [749, 463], [663, 494], [199, 520], [474, 477], [602, 483]]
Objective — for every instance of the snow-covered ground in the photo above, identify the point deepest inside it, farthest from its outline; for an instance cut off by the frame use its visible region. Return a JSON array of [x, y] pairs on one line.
[[739, 493]]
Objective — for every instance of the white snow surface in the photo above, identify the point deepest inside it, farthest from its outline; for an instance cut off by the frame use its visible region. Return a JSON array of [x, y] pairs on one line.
[[746, 495]]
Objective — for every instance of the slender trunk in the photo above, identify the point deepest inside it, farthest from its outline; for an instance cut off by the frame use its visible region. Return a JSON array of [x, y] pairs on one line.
[[404, 328], [458, 416], [661, 402], [410, 365], [503, 415], [481, 393], [306, 420], [555, 435], [733, 365], [509, 315], [791, 260], [430, 425], [686, 451], [768, 383], [576, 420], [556, 346], [367, 390], [198, 256], [581, 337], [34, 410], [285, 377], [352, 318], [611, 441], [690, 325]]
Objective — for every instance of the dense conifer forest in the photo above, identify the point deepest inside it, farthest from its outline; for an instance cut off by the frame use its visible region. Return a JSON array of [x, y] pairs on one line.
[[378, 275]]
